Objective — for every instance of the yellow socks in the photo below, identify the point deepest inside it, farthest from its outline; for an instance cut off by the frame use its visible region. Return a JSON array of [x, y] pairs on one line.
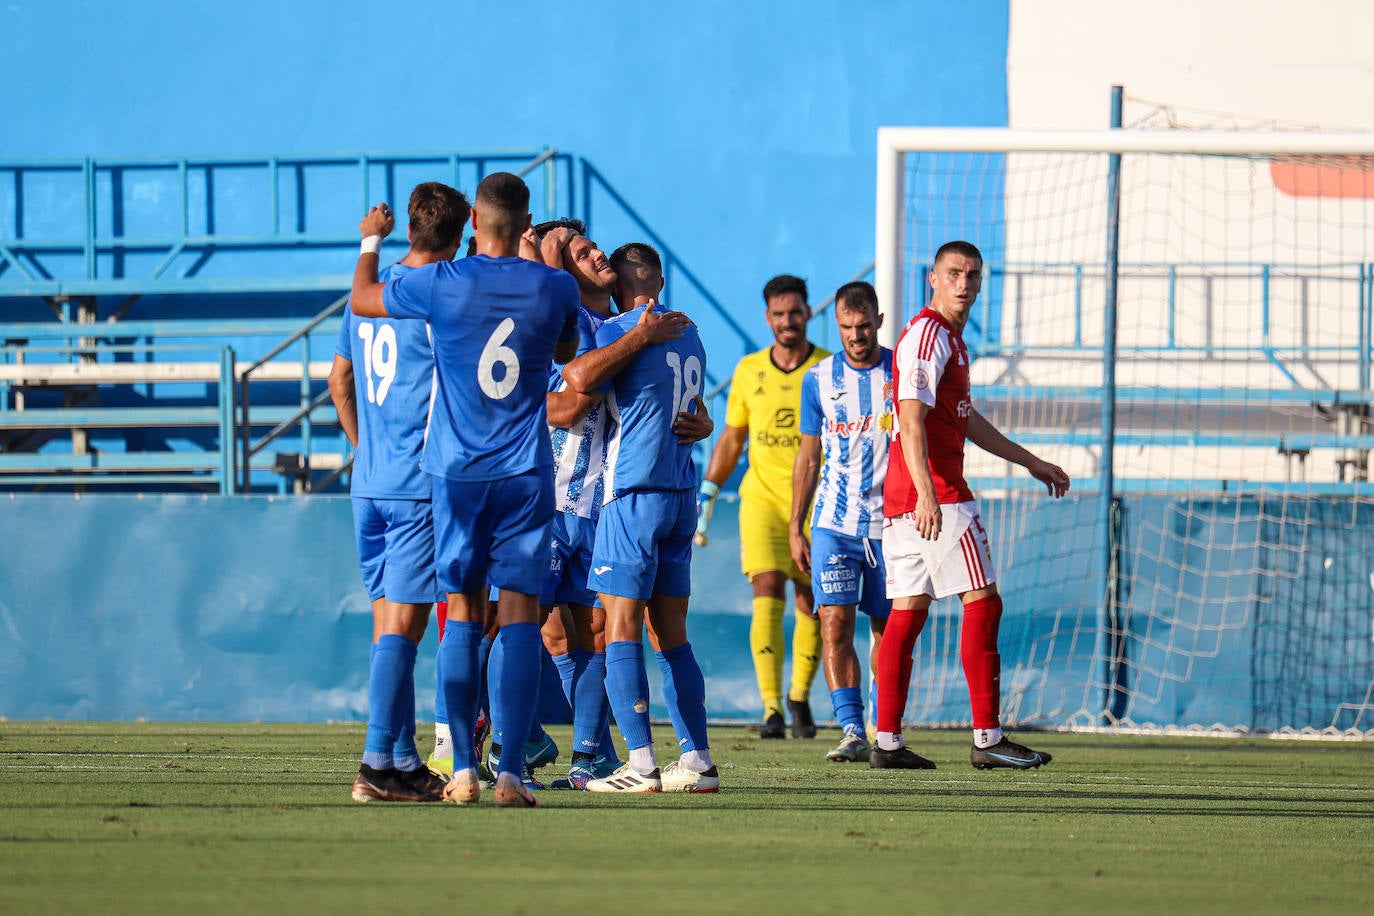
[[806, 655], [766, 644]]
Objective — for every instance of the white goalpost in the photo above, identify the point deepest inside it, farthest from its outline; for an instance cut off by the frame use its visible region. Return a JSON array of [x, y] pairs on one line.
[[1182, 320]]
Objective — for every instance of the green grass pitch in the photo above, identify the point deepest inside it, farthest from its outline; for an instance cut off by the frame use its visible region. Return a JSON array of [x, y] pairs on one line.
[[196, 818]]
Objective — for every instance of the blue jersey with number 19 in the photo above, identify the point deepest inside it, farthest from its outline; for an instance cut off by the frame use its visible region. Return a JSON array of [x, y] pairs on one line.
[[644, 399], [393, 378], [495, 323]]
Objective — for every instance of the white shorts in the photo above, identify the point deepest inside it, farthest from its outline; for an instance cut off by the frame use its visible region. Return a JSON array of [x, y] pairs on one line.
[[958, 561]]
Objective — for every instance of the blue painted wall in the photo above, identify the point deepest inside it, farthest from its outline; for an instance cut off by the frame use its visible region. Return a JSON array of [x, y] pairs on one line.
[[241, 609], [743, 132]]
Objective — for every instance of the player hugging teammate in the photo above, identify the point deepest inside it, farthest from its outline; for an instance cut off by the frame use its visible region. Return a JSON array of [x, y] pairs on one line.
[[468, 503]]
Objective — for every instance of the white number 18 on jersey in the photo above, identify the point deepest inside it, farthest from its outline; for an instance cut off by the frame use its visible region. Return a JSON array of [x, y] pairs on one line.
[[686, 381]]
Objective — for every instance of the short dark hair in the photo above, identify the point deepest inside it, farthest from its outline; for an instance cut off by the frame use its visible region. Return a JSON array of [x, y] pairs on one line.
[[858, 295], [504, 200], [640, 256], [967, 249], [783, 284], [544, 228], [437, 216]]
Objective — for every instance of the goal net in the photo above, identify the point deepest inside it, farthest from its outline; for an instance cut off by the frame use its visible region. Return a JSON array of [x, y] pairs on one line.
[[1180, 319]]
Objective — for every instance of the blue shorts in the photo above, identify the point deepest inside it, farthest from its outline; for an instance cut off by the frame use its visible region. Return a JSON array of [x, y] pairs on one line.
[[849, 570], [493, 532], [644, 545], [571, 563], [395, 548]]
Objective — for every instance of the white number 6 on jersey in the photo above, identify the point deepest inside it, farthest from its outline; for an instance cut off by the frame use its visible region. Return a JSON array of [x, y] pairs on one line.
[[494, 354]]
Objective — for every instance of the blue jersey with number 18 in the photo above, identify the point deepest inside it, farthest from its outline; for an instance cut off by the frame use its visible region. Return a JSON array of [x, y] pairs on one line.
[[644, 399], [495, 323]]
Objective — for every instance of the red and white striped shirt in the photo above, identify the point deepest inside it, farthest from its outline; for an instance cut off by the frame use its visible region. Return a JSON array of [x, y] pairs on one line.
[[930, 365]]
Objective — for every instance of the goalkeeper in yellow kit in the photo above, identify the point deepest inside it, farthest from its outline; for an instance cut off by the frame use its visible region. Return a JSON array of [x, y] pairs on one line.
[[765, 399]]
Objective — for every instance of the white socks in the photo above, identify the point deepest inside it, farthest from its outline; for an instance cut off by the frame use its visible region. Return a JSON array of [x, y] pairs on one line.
[[443, 741], [890, 741], [697, 761], [642, 760], [986, 737]]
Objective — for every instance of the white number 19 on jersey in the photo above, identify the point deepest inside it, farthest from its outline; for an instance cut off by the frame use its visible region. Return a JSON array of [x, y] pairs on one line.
[[379, 359]]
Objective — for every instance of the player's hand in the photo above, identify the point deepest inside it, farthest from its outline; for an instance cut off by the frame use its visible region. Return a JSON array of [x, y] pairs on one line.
[[529, 246], [927, 518], [801, 550], [379, 221], [554, 244], [693, 426], [1051, 475], [660, 327]]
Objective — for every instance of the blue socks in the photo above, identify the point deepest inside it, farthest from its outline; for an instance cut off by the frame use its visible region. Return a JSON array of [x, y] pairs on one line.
[[488, 646], [460, 679], [514, 679], [586, 695], [627, 685], [684, 690], [406, 754], [393, 664], [849, 708]]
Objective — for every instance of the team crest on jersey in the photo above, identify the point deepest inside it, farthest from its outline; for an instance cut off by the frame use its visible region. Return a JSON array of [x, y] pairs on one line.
[[887, 391], [922, 380]]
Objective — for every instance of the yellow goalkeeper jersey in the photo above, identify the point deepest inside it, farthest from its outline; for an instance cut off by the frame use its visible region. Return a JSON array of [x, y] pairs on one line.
[[768, 400]]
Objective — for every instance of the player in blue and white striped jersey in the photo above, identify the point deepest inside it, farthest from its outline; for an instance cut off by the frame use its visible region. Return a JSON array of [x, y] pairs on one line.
[[846, 419]]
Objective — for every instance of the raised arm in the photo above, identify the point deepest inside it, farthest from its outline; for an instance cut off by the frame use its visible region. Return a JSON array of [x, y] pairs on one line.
[[989, 438], [344, 396], [804, 471], [367, 291]]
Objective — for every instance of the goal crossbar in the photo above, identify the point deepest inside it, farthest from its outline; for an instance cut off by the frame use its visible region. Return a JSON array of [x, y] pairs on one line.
[[894, 142]]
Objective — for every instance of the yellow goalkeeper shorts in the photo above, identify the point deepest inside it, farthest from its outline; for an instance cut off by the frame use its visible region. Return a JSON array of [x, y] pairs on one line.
[[763, 544]]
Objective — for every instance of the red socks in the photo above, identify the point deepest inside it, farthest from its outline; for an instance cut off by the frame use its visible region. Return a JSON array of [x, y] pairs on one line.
[[894, 666], [982, 663]]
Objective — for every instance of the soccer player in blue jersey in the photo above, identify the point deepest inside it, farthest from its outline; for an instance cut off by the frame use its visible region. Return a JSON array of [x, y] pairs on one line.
[[643, 548], [846, 419], [579, 428], [383, 409], [498, 323]]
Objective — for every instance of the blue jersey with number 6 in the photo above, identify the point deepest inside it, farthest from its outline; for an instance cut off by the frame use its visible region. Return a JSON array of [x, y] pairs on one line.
[[393, 375], [644, 399], [495, 323]]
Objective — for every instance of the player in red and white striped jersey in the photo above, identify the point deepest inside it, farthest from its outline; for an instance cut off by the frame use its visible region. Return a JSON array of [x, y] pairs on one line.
[[934, 543]]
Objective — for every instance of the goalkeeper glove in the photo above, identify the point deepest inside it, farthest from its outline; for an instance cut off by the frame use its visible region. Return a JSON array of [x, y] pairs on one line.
[[706, 504]]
